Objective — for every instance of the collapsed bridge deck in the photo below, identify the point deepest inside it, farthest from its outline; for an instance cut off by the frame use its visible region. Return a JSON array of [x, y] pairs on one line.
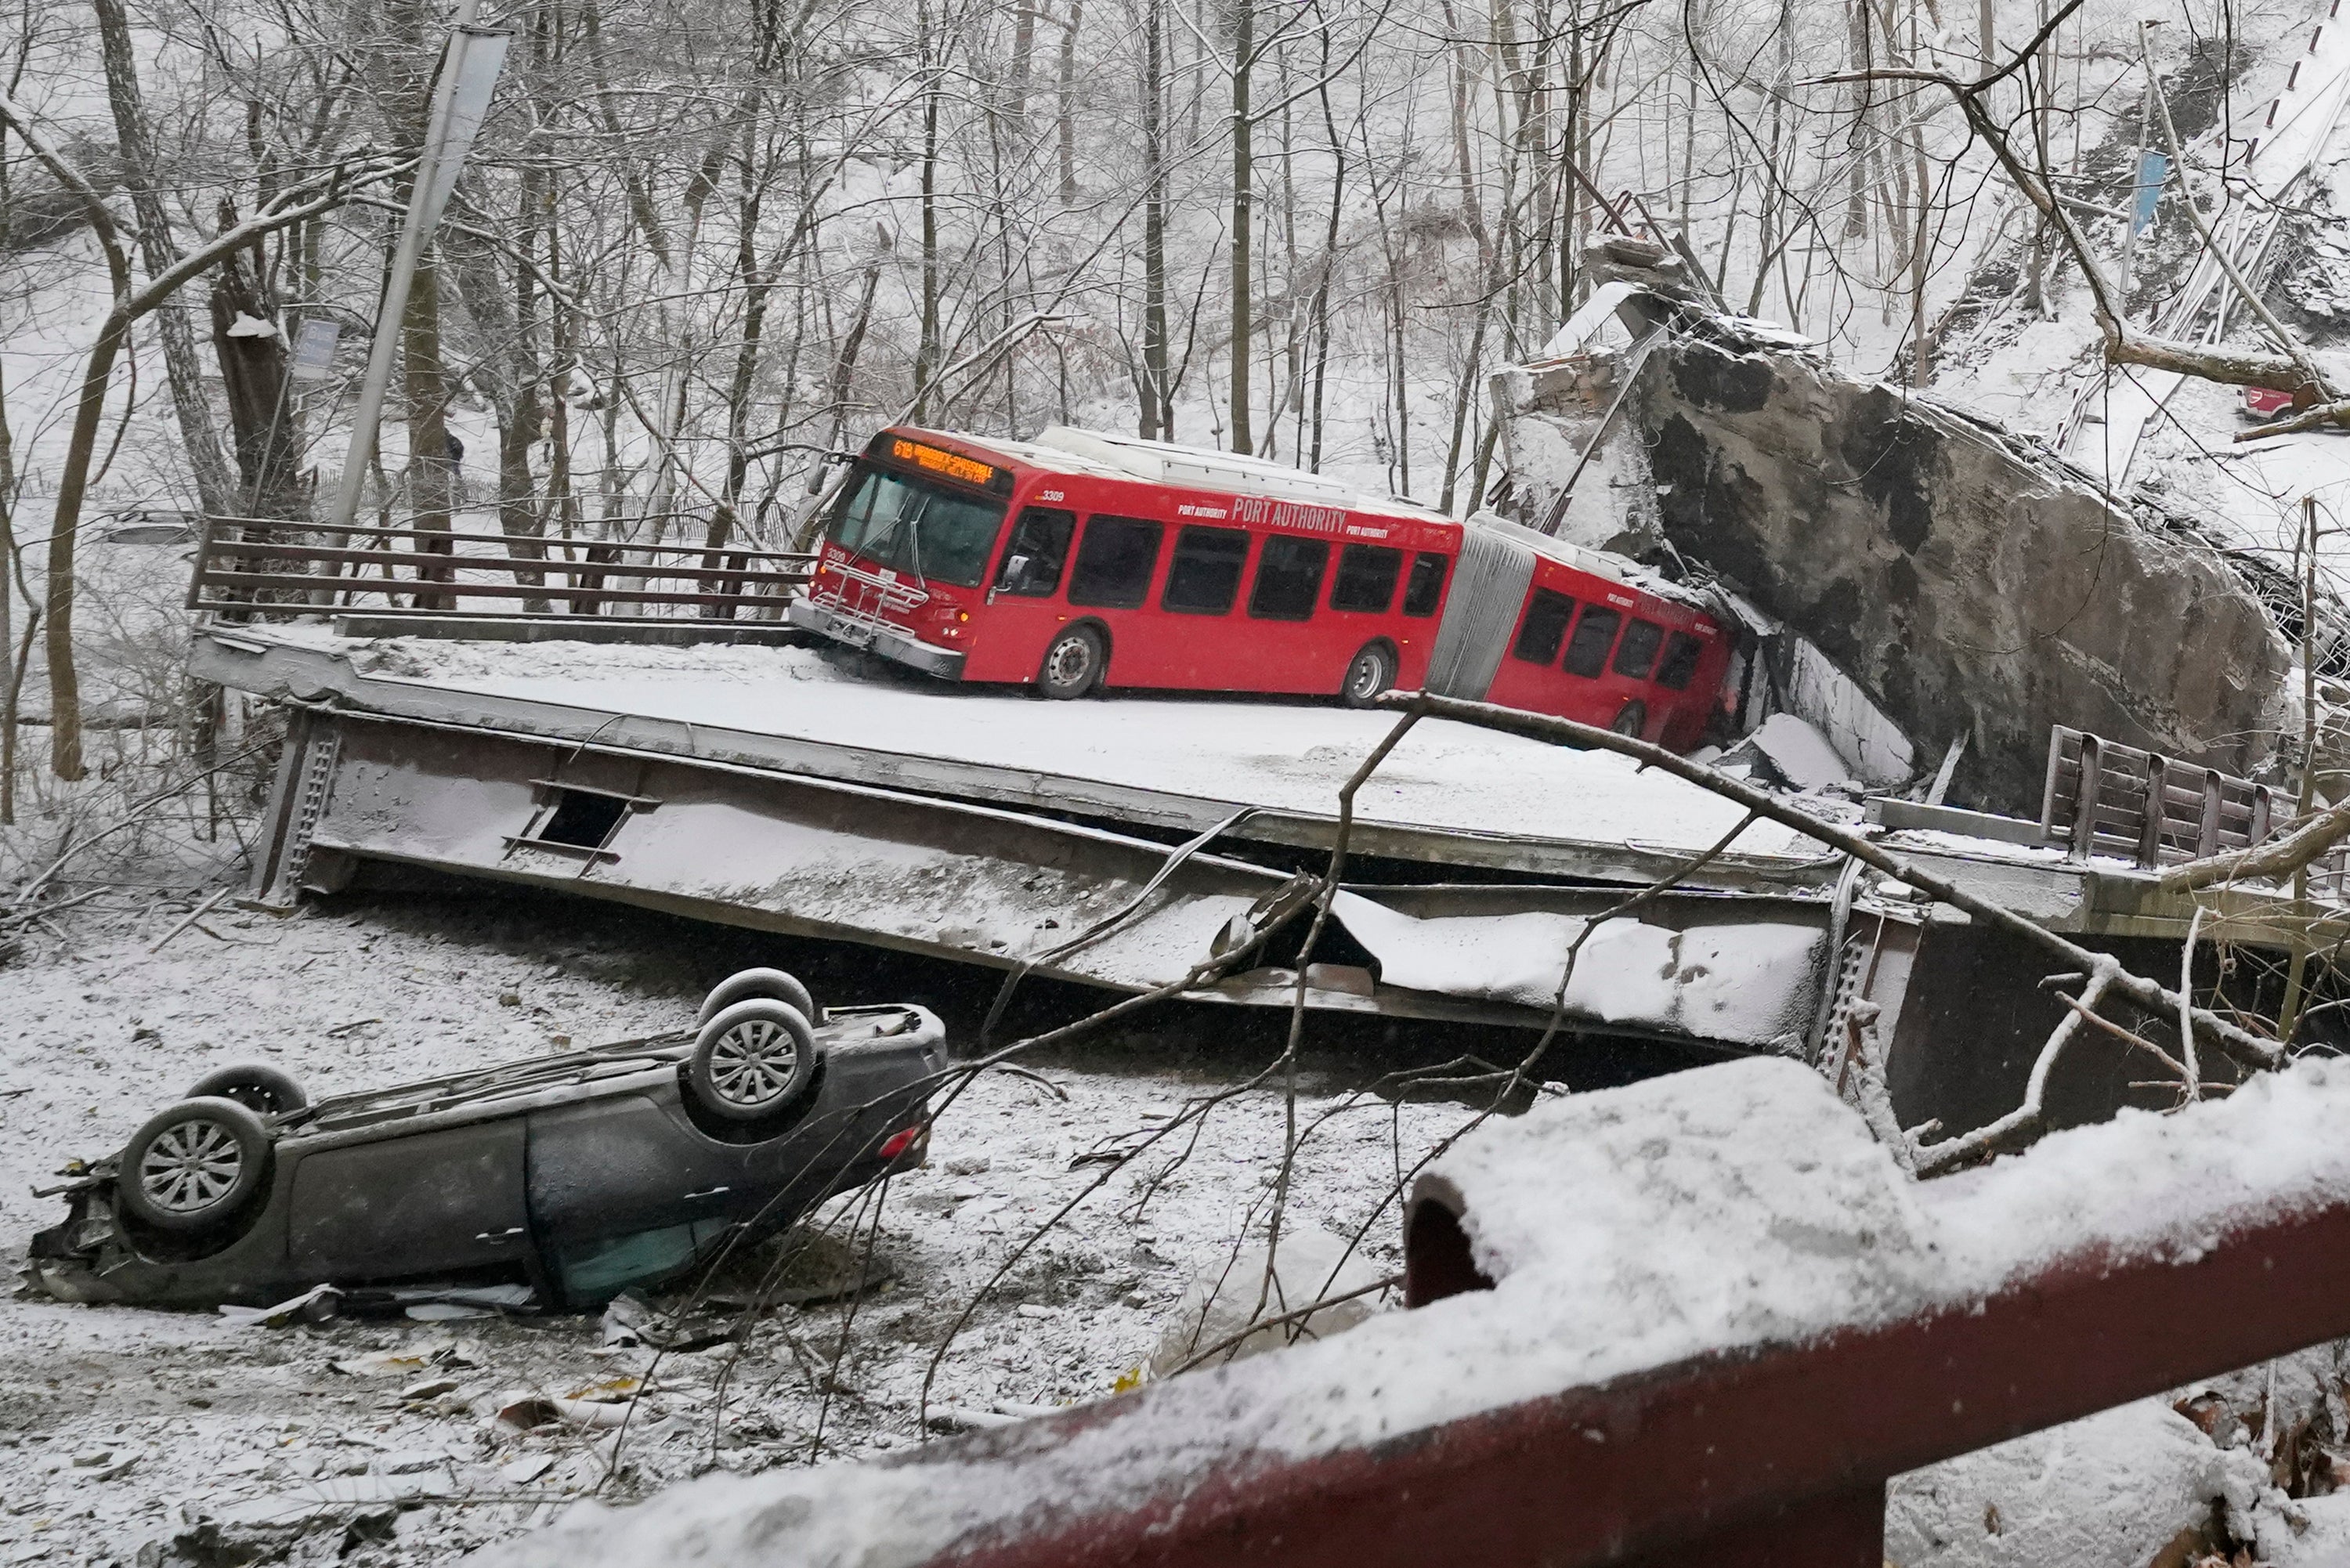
[[775, 788]]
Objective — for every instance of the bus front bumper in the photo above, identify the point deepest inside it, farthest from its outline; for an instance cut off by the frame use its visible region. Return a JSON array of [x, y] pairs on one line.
[[886, 640]]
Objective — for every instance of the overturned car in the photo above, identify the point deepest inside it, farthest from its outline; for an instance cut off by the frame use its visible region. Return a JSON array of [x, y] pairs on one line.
[[576, 1175]]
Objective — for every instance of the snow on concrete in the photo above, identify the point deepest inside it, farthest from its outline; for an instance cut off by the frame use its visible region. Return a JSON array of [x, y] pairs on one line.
[[2112, 1491], [1291, 756], [1753, 983], [1735, 1207], [1800, 753]]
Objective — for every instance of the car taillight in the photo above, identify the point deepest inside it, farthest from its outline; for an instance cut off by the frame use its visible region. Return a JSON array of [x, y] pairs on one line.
[[901, 1141]]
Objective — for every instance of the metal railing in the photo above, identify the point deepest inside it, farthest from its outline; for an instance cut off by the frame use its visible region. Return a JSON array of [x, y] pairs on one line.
[[2106, 798], [259, 568]]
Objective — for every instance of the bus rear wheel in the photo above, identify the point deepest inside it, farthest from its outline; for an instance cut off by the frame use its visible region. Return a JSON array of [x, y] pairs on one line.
[[1631, 719], [1370, 675], [1072, 664]]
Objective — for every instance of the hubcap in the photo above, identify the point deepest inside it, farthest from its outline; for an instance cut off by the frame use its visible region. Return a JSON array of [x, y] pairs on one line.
[[1368, 669], [1071, 661], [754, 1061], [191, 1168]]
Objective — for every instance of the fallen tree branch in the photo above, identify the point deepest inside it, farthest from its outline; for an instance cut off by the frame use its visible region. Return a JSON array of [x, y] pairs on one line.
[[2248, 1048], [2015, 1127], [2276, 858]]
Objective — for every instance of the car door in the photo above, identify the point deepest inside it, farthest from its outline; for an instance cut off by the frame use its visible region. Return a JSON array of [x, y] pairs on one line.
[[411, 1206]]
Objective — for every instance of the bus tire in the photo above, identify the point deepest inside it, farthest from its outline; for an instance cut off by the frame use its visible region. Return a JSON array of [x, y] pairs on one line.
[[1074, 664], [1631, 719], [1370, 675]]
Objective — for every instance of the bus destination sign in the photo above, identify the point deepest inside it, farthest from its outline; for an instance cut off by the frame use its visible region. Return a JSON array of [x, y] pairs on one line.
[[954, 465]]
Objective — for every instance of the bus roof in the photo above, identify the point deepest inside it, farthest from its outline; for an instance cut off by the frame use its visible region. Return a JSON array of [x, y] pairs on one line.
[[1064, 449]]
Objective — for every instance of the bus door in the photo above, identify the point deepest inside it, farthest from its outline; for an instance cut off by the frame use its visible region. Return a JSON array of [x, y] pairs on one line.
[[1024, 604], [1293, 640]]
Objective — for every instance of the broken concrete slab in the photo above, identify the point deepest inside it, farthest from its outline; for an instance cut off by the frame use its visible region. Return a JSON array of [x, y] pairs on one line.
[[1969, 584]]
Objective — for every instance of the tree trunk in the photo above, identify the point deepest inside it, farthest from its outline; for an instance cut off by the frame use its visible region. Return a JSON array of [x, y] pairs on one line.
[[926, 355], [1243, 219], [214, 490], [1158, 399], [431, 476], [12, 673], [262, 420], [58, 598], [1069, 102]]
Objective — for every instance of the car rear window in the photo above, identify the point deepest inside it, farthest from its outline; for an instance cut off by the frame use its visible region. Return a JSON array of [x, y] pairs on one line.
[[1595, 634], [1681, 661], [1204, 577], [1288, 578], [1366, 578], [1544, 627], [1427, 584], [1115, 560], [1637, 655]]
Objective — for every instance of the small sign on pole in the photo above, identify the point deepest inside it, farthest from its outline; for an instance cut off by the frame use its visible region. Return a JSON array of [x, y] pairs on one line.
[[314, 349]]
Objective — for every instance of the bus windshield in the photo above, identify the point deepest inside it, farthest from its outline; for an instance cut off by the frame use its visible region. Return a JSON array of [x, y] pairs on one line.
[[925, 530]]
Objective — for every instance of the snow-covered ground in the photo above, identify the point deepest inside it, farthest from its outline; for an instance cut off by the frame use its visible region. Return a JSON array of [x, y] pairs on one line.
[[121, 1427]]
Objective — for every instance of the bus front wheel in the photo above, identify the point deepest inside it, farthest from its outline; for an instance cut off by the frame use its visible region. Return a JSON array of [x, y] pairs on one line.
[[1371, 673], [1631, 720], [1072, 664]]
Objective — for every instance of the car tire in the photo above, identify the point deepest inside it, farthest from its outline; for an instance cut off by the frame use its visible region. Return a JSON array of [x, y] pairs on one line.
[[1631, 719], [753, 1061], [194, 1166], [256, 1085], [775, 985], [1072, 665], [1369, 676]]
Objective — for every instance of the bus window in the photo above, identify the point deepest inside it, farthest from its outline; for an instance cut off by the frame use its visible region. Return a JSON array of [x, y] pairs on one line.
[[1115, 561], [1681, 661], [914, 526], [1288, 578], [1204, 577], [1545, 628], [1595, 634], [1366, 578], [1427, 585], [1638, 654], [1039, 547]]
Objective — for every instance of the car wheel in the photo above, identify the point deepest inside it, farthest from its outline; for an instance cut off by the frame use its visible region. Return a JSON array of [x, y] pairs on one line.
[[753, 1060], [1369, 676], [1072, 664], [1631, 719], [194, 1165], [256, 1085], [777, 985]]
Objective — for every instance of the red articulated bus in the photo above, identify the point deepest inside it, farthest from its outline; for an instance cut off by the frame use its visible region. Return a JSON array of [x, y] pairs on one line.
[[1078, 561]]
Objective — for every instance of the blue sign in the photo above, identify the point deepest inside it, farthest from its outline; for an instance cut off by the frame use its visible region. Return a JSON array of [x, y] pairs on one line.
[[2153, 170]]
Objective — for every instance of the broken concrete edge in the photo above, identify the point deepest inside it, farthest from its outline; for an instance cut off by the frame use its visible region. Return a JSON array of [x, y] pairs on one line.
[[1960, 607], [1747, 1306]]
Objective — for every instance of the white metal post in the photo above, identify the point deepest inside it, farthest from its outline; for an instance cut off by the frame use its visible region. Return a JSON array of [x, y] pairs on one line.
[[460, 98]]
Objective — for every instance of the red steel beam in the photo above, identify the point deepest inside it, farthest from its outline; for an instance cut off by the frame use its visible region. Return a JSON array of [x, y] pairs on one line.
[[1776, 1456]]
